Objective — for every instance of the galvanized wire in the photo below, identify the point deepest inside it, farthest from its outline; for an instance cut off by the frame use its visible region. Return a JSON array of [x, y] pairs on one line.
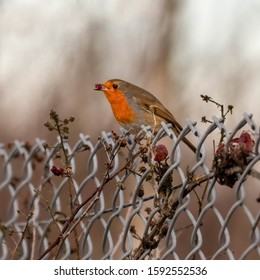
[[34, 203]]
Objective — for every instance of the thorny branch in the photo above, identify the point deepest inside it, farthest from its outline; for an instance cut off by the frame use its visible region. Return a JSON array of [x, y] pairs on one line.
[[71, 223]]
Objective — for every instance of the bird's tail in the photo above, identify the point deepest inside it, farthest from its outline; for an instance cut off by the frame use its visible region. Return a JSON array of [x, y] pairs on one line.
[[177, 129], [189, 144]]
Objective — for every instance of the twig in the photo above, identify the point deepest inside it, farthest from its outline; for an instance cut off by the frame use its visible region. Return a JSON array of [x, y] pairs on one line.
[[65, 229]]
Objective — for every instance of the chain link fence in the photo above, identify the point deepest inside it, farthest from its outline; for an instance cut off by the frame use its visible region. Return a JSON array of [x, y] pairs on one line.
[[119, 198]]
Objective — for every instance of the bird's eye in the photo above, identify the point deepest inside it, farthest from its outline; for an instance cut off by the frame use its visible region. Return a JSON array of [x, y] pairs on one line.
[[115, 86]]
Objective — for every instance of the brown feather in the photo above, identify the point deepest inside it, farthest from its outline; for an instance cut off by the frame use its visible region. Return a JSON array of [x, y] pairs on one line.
[[160, 111]]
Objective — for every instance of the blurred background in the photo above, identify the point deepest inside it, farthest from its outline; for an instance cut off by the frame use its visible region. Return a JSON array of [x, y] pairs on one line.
[[53, 52]]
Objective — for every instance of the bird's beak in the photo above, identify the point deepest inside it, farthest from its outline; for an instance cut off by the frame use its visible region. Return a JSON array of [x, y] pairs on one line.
[[100, 87]]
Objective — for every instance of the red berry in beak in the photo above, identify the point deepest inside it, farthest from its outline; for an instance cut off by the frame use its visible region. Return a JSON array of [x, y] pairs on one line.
[[98, 86]]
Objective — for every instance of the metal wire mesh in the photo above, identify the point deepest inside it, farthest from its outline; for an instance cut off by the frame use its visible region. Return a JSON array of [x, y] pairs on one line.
[[129, 210]]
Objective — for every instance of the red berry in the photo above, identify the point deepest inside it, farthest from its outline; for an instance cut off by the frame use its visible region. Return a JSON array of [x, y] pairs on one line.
[[57, 171], [160, 152], [98, 86]]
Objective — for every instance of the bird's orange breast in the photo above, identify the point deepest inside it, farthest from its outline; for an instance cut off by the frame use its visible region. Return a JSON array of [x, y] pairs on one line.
[[120, 106]]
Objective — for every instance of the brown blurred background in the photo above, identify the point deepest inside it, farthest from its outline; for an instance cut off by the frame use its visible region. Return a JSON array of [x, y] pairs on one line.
[[53, 52]]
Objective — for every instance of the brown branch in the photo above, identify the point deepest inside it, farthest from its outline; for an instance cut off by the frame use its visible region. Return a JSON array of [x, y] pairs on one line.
[[149, 242], [97, 192]]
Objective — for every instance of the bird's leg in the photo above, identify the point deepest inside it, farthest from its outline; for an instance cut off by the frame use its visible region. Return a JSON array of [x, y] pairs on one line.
[[154, 119]]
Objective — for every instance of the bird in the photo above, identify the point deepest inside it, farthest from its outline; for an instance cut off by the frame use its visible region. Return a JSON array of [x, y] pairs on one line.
[[133, 106]]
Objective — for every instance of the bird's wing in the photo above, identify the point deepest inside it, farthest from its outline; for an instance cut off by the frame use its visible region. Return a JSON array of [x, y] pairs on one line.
[[159, 110]]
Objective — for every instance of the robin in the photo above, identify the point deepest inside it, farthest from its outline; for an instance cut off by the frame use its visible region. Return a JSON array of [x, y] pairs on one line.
[[134, 106]]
